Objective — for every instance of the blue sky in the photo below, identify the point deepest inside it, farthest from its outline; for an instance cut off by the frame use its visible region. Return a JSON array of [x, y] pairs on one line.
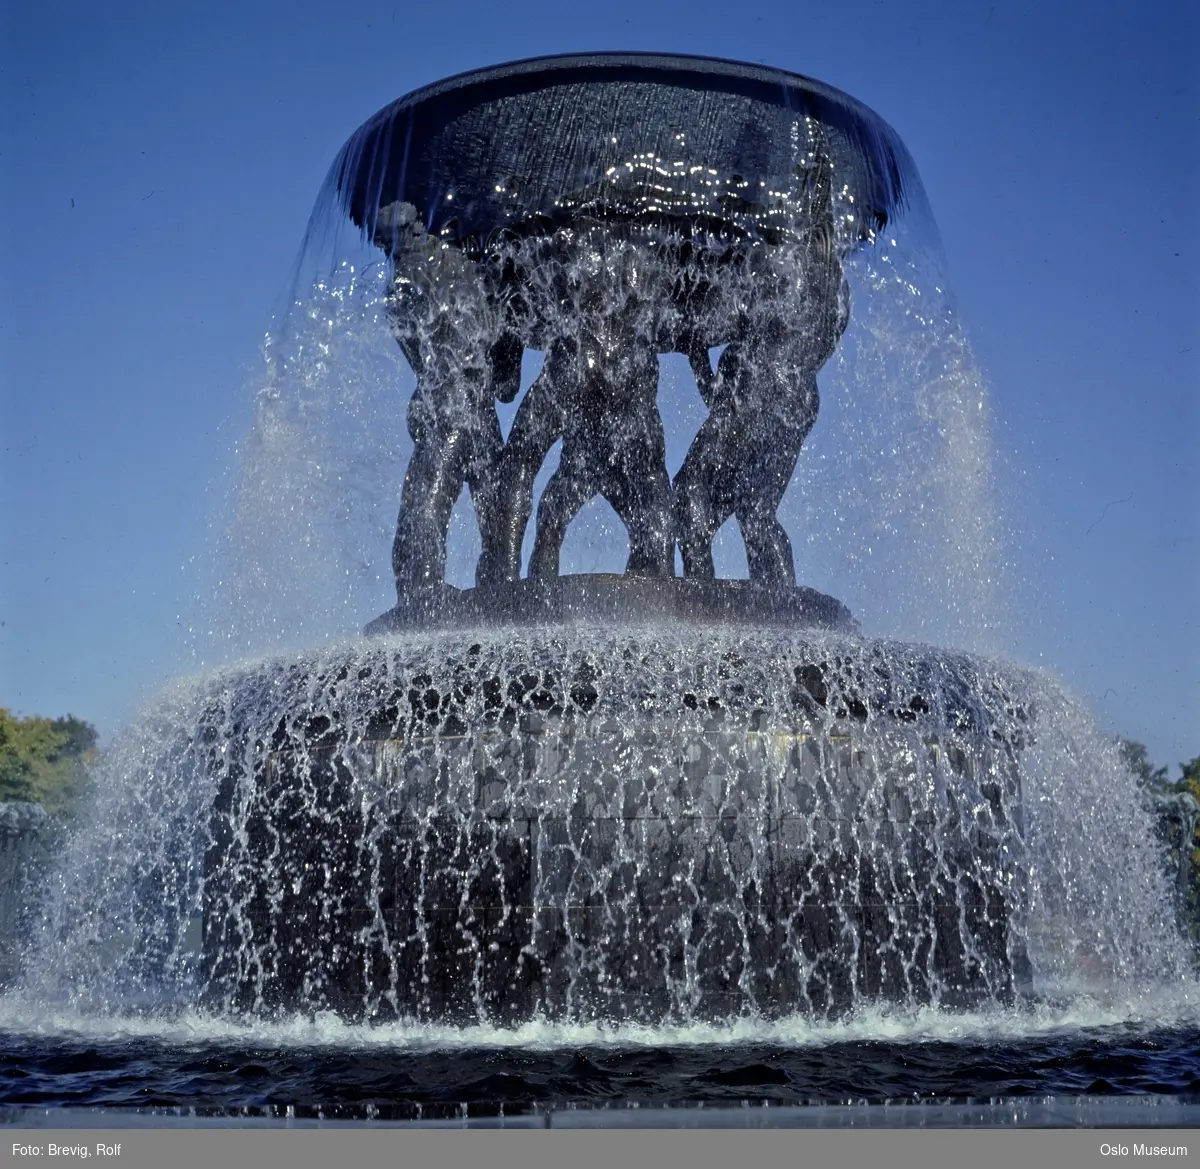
[[160, 162]]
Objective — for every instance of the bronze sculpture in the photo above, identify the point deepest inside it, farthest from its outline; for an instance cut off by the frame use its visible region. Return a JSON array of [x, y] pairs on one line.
[[625, 797], [689, 204]]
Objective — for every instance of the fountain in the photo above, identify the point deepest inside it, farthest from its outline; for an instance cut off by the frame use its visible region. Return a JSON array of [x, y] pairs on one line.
[[639, 796], [646, 796]]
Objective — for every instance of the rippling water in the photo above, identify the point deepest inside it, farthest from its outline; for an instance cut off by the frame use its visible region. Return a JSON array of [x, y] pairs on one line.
[[323, 1069]]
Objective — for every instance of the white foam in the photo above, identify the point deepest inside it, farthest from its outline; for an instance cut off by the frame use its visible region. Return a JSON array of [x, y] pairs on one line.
[[1173, 1008]]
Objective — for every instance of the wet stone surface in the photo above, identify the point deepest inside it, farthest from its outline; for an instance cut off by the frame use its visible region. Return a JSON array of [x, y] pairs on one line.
[[645, 826]]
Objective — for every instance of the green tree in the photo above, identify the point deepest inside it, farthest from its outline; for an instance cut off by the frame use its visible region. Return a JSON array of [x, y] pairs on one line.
[[1189, 783], [16, 768], [1189, 778], [45, 760], [1137, 759], [1175, 808]]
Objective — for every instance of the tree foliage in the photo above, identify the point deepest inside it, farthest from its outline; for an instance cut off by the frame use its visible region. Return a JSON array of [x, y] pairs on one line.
[[1177, 805], [1189, 782], [45, 760], [1137, 759]]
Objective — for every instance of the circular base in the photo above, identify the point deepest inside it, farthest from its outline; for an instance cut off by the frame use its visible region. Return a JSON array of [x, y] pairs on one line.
[[603, 597], [638, 824]]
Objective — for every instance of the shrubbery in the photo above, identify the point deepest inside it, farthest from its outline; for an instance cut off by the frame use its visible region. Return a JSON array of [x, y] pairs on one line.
[[45, 760], [1176, 804]]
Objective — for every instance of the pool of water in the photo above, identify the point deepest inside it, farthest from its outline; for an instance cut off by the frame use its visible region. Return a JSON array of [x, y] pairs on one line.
[[1078, 1062]]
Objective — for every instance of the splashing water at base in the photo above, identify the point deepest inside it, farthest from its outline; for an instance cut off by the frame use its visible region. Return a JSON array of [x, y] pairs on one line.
[[130, 922]]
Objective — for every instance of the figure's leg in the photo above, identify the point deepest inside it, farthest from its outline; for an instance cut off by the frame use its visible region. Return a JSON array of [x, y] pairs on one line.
[[767, 467], [628, 456], [704, 485], [645, 510], [570, 487], [486, 476], [639, 490], [768, 548], [702, 499], [483, 477], [441, 455], [538, 425]]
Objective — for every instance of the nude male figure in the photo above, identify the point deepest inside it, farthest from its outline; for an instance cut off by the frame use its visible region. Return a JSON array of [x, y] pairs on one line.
[[763, 402], [598, 393], [453, 335]]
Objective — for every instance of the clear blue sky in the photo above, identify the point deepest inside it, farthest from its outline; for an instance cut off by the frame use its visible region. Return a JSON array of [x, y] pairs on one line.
[[159, 162]]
